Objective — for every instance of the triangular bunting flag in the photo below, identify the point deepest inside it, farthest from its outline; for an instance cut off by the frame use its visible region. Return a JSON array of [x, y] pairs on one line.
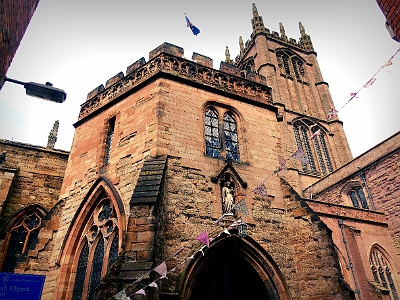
[[282, 162], [191, 257], [227, 232], [161, 269], [242, 207], [121, 295], [370, 82], [141, 292], [331, 113], [153, 284], [315, 134], [299, 154], [203, 237], [278, 169], [387, 64], [260, 190]]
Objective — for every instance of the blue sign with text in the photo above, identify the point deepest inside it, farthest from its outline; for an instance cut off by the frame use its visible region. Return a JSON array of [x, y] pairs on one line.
[[21, 286]]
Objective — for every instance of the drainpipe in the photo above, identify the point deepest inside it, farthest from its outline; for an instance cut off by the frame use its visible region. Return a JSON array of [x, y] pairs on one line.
[[340, 221], [371, 200]]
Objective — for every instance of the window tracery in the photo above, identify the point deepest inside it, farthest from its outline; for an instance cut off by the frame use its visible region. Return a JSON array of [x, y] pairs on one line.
[[303, 130], [24, 237], [99, 246], [218, 145], [382, 273]]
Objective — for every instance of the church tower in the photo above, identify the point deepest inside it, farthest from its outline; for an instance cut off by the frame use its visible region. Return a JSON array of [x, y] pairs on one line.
[[172, 179]]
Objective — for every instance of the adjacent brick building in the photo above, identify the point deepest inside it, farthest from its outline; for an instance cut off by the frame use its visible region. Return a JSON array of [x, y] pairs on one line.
[[14, 19], [162, 153], [391, 11]]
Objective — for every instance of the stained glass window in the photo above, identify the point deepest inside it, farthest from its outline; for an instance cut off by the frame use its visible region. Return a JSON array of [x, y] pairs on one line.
[[97, 266], [100, 250], [231, 138], [358, 198], [113, 254], [24, 237], [81, 272], [211, 124], [382, 273]]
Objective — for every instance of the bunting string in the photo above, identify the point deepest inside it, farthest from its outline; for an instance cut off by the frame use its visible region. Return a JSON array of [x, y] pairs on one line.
[[332, 112], [204, 237]]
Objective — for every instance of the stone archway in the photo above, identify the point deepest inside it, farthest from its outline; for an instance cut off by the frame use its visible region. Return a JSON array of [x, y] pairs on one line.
[[234, 269]]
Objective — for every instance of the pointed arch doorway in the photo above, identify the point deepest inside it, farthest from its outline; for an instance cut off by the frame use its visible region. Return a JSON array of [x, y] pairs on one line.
[[234, 269]]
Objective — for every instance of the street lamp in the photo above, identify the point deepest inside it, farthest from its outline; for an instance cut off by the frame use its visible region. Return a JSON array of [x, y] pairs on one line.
[[43, 91]]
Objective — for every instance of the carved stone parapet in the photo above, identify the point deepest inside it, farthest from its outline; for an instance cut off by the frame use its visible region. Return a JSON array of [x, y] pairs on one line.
[[168, 64]]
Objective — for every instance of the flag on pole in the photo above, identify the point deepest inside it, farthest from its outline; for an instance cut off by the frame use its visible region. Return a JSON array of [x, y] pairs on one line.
[[121, 295], [315, 134], [299, 154], [162, 269], [369, 82], [331, 113], [242, 207], [260, 190], [203, 237], [194, 29]]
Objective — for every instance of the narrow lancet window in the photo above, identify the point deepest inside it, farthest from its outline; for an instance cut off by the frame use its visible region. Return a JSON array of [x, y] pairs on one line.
[[211, 124], [110, 135], [231, 138]]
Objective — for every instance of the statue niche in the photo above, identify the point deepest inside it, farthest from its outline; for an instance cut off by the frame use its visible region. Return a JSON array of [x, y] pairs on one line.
[[228, 196]]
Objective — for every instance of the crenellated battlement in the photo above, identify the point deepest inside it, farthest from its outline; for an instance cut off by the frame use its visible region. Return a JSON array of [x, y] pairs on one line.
[[167, 61]]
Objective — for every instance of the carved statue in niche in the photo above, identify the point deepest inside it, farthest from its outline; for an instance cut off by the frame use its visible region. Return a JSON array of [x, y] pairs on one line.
[[228, 198]]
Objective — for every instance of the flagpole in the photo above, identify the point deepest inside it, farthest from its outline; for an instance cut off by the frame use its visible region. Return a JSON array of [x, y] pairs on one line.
[[184, 49]]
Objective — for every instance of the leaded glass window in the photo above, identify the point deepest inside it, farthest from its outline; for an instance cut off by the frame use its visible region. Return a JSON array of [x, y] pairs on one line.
[[99, 250], [211, 124], [358, 198], [218, 145], [382, 273], [24, 237], [231, 138]]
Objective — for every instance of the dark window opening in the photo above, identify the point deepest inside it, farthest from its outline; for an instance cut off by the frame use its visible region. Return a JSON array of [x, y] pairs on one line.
[[110, 135]]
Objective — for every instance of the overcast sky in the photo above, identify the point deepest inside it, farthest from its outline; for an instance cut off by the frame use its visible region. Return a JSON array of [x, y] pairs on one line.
[[78, 45]]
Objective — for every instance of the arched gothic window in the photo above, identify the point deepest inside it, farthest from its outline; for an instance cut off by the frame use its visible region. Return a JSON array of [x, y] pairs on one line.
[[98, 249], [382, 272], [291, 65], [24, 237], [229, 147], [303, 130], [357, 197]]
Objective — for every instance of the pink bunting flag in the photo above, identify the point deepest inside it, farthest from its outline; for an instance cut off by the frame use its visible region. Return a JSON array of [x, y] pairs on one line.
[[203, 237], [153, 284], [369, 82], [387, 64], [315, 134], [141, 292], [278, 169], [331, 113], [162, 269], [260, 190], [299, 155], [121, 295], [242, 207], [282, 162]]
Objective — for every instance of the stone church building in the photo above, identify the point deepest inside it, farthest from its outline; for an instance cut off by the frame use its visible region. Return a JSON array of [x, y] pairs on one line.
[[174, 149]]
